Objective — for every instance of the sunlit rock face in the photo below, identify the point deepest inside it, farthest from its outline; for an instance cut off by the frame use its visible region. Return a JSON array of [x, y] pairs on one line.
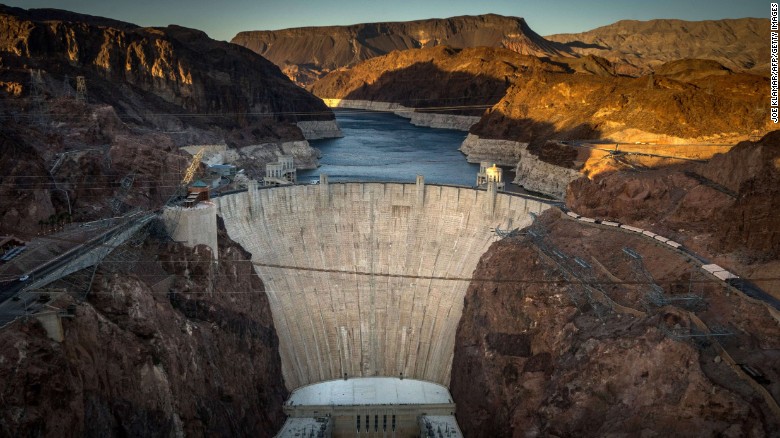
[[307, 54], [148, 72]]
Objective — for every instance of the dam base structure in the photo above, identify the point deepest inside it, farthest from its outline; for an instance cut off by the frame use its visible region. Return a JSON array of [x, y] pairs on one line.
[[367, 279]]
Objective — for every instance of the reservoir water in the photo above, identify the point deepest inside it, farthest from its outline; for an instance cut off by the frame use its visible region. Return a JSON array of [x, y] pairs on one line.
[[385, 147]]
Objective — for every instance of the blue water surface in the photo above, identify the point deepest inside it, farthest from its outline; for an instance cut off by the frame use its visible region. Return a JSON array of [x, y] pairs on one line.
[[385, 147]]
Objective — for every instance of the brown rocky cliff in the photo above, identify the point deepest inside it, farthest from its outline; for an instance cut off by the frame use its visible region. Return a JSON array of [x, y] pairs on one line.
[[312, 52], [198, 360], [544, 105], [147, 71], [640, 46], [23, 187], [100, 151], [726, 205], [430, 77], [529, 362], [562, 98]]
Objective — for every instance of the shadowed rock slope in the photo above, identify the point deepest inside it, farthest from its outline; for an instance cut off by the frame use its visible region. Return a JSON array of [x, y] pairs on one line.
[[564, 98], [149, 91], [306, 54], [530, 361], [682, 106], [641, 46], [170, 78], [196, 358], [431, 77], [725, 209]]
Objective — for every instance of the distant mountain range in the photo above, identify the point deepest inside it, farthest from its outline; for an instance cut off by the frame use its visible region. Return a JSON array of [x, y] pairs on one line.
[[635, 47], [739, 44], [306, 54]]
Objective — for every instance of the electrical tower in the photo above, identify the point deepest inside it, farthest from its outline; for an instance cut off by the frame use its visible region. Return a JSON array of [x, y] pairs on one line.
[[117, 202], [81, 88], [67, 90], [36, 96], [655, 296]]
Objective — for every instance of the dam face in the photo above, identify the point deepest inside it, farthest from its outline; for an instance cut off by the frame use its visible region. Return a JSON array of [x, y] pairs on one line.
[[370, 299]]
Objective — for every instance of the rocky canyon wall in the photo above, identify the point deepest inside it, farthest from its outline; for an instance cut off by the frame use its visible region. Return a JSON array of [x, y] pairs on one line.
[[534, 357], [197, 357], [171, 77]]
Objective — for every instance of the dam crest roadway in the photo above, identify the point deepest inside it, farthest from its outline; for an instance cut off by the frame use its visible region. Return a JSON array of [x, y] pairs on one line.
[[367, 279]]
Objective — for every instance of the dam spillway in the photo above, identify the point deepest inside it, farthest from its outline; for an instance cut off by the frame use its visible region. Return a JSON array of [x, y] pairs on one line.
[[368, 279]]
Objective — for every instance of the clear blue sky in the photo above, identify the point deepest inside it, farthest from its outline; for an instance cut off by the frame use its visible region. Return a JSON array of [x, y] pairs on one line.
[[222, 19]]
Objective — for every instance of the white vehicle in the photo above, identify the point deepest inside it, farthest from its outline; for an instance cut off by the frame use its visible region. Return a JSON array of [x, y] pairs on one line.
[[314, 182], [24, 277]]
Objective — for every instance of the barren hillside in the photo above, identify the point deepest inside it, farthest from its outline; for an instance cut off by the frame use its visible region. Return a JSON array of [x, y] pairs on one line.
[[308, 53], [709, 105], [148, 91], [641, 46], [432, 77], [538, 354]]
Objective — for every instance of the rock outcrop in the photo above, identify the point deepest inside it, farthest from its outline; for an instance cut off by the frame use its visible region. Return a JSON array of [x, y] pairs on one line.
[[723, 208], [545, 104], [148, 91], [439, 87], [698, 102], [169, 78], [444, 79], [635, 47], [197, 358], [501, 152], [315, 130], [75, 170], [536, 175], [306, 54], [641, 46], [534, 358]]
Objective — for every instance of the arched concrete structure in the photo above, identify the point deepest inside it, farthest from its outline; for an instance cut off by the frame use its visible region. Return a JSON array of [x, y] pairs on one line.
[[379, 315]]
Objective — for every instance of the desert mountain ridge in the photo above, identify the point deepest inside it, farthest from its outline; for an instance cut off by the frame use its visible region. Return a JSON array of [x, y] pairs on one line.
[[531, 99], [308, 53], [635, 47], [640, 46]]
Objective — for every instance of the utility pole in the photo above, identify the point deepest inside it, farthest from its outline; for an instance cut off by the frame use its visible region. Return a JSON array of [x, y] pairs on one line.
[[36, 96], [67, 90], [81, 88]]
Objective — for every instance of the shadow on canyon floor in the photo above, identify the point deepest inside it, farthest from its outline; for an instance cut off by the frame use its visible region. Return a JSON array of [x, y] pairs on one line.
[[458, 93]]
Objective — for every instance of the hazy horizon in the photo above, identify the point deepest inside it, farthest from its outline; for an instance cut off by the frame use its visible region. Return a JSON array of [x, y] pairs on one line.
[[222, 21]]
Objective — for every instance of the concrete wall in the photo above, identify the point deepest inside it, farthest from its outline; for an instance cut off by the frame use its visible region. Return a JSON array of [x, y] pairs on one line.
[[335, 323], [193, 226]]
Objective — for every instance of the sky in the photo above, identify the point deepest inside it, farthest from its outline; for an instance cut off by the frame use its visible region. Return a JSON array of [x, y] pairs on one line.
[[222, 19]]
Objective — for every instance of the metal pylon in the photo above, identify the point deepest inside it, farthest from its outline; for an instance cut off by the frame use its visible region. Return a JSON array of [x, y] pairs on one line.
[[81, 88], [36, 96]]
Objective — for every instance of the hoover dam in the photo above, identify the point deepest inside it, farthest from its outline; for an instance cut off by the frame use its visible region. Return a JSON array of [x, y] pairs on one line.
[[368, 279]]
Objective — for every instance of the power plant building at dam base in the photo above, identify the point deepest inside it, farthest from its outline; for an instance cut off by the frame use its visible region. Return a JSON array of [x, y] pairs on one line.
[[367, 279]]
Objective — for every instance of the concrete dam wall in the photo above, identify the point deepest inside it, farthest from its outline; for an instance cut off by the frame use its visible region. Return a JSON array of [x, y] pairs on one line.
[[364, 303]]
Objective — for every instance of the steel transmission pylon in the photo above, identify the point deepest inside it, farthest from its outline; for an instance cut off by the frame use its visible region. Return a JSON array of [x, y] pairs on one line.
[[81, 88]]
